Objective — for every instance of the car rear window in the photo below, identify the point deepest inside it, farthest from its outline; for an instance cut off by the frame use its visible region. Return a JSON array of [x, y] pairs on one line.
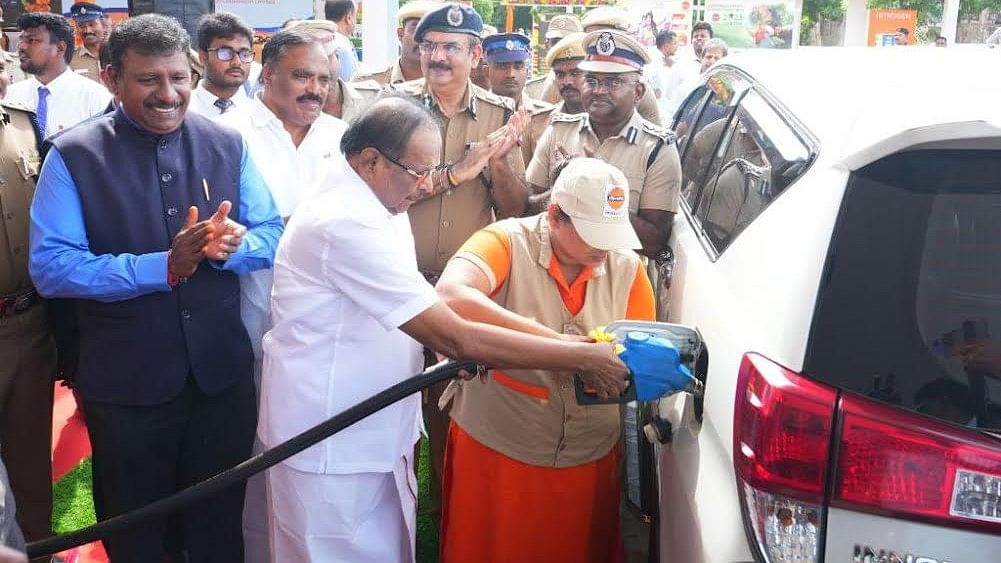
[[909, 309]]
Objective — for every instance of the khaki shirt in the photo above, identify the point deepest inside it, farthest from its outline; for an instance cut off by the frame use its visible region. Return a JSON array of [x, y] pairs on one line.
[[356, 97], [536, 86], [392, 74], [442, 223], [13, 66], [652, 185], [647, 105], [539, 114], [19, 164], [85, 64]]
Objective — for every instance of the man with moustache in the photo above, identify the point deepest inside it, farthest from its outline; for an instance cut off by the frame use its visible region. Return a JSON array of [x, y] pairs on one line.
[[559, 27], [224, 49], [408, 67], [93, 26], [483, 174], [59, 97], [507, 56], [345, 100], [563, 58], [165, 365], [610, 18], [294, 144], [614, 131]]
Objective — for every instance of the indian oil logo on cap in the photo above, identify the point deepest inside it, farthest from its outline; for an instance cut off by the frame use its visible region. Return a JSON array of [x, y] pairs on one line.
[[605, 45], [615, 201], [454, 16]]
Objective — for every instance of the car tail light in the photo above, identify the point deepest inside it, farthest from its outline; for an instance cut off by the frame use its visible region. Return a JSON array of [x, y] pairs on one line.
[[905, 465], [783, 424]]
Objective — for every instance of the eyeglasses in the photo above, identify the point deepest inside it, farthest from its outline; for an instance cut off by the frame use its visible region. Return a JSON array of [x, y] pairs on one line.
[[450, 49], [610, 84], [417, 175], [226, 54]]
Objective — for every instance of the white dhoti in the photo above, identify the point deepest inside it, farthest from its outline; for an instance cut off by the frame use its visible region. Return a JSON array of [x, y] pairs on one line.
[[351, 518]]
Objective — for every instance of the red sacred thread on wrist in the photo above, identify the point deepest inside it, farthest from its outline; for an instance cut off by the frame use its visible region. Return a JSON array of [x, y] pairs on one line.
[[172, 280]]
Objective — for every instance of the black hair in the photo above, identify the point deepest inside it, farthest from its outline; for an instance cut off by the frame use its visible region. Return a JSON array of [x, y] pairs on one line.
[[903, 30], [561, 216], [703, 25], [276, 45], [665, 37], [59, 29], [148, 34], [337, 10], [221, 24], [387, 126]]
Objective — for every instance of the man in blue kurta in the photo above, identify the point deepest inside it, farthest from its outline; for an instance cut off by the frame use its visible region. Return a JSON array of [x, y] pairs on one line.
[[164, 366]]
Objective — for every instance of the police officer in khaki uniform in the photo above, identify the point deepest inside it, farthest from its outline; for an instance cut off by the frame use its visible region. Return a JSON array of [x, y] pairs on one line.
[[483, 179], [507, 57], [611, 18], [93, 26], [614, 131], [28, 368], [408, 67], [563, 59], [559, 27], [9, 65]]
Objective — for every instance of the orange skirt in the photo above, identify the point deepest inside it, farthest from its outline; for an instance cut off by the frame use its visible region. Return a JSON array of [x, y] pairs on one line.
[[499, 510]]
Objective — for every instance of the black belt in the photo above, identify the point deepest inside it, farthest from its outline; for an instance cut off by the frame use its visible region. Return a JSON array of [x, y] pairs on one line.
[[17, 303]]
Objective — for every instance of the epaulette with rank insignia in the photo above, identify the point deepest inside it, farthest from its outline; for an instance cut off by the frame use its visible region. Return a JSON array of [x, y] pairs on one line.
[[662, 133], [490, 97], [568, 117], [536, 107], [32, 117]]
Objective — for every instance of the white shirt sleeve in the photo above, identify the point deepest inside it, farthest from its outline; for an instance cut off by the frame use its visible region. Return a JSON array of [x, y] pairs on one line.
[[363, 261]]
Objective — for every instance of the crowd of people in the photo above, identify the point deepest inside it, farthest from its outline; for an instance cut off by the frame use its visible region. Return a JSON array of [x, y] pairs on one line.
[[215, 267]]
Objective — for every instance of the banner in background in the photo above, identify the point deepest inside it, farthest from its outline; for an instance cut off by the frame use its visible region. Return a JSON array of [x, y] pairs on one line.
[[883, 24], [267, 15], [753, 24], [651, 17]]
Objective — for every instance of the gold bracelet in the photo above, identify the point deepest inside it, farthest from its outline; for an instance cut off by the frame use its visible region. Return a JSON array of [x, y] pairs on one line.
[[451, 178]]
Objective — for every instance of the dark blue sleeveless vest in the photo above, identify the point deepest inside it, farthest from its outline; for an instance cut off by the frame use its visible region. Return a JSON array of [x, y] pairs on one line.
[[135, 189]]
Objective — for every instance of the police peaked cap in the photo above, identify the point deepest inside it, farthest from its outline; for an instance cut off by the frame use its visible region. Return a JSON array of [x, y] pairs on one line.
[[450, 18]]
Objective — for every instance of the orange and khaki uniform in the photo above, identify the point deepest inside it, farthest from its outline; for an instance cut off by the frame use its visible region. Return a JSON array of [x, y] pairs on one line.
[[529, 474]]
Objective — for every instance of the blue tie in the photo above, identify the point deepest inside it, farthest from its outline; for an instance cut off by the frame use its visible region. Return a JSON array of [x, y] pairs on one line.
[[43, 109]]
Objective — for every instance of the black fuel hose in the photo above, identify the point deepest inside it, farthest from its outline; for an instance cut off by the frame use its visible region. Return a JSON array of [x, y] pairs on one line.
[[254, 465]]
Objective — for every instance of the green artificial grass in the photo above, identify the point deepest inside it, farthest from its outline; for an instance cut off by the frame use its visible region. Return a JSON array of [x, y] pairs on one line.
[[73, 506], [73, 501]]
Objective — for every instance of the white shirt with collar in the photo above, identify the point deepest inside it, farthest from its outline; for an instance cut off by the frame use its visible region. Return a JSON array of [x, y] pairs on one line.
[[292, 174], [203, 102], [346, 279], [72, 99]]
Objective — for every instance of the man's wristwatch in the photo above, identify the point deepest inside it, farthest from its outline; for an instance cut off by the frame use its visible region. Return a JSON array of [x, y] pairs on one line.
[[452, 181]]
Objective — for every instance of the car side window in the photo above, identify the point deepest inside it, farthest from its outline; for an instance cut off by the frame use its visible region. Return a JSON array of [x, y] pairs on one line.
[[761, 156], [701, 127]]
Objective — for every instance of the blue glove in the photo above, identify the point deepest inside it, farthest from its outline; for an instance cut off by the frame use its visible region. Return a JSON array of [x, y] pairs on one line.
[[655, 365]]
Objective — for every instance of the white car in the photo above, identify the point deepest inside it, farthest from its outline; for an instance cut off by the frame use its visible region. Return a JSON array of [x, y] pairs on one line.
[[838, 251]]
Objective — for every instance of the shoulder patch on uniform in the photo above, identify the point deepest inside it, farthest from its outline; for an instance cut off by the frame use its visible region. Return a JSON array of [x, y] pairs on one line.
[[16, 106], [536, 107], [367, 85], [413, 87], [660, 132], [491, 98], [568, 117]]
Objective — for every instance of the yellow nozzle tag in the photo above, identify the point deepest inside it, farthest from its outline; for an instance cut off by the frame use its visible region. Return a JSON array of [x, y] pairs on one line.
[[599, 335]]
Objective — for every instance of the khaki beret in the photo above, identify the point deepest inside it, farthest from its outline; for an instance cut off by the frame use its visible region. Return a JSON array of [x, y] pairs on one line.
[[562, 25], [606, 17], [568, 48]]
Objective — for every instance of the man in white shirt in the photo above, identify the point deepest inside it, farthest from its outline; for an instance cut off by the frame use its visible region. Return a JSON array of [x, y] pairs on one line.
[[224, 49], [350, 313], [59, 97], [296, 145]]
